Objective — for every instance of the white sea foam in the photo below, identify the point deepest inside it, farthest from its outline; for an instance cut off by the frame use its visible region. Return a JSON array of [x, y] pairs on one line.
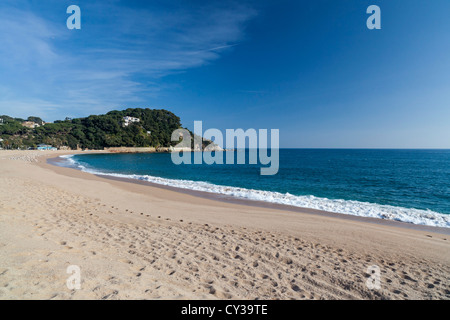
[[68, 157], [350, 207]]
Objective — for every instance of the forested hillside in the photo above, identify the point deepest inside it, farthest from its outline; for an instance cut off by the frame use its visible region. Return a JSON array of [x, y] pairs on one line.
[[94, 132]]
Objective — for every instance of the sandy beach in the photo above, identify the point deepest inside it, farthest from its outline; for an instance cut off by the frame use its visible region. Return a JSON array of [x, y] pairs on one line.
[[135, 241]]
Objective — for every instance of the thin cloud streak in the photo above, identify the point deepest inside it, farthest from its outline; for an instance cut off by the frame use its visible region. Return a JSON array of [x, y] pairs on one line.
[[216, 48]]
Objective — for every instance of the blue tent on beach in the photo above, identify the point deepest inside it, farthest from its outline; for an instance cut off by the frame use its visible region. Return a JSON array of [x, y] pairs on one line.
[[45, 147]]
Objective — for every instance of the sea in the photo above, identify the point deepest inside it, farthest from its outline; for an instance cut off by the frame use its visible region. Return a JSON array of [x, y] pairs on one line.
[[411, 186]]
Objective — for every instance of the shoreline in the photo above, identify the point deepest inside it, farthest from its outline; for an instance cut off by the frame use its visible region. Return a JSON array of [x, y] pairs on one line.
[[136, 241], [265, 204]]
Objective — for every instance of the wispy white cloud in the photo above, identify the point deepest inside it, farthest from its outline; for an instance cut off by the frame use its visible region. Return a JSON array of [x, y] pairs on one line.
[[117, 57], [26, 39]]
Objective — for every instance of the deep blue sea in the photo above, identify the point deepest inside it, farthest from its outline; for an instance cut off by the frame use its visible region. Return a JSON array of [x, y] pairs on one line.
[[405, 185]]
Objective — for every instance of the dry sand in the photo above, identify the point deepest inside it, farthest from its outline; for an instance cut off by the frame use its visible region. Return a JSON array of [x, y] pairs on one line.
[[141, 242]]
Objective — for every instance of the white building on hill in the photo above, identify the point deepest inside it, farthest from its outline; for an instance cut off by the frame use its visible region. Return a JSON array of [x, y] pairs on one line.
[[127, 120], [30, 124]]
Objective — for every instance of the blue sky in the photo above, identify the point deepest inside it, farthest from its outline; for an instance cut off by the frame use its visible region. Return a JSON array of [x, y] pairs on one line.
[[309, 68]]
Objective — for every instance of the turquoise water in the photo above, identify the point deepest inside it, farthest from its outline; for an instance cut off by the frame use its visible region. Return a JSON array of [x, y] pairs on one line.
[[404, 185]]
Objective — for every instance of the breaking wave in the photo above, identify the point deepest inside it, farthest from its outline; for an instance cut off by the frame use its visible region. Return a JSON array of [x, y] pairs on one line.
[[350, 207]]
